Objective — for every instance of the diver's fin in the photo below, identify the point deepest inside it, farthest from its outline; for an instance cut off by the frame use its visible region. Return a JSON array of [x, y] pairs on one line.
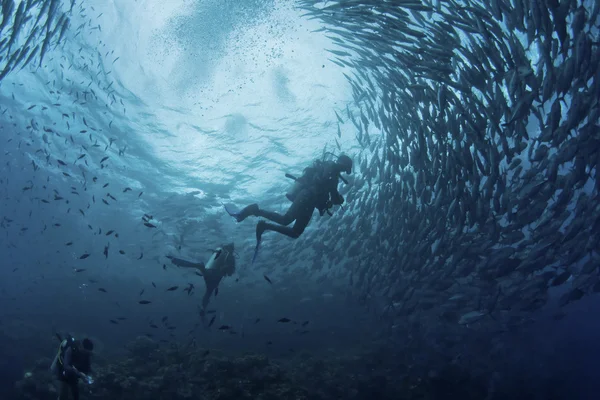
[[256, 249], [232, 211]]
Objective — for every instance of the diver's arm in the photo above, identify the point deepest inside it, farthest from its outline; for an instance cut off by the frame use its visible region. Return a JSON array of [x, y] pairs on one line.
[[68, 366], [336, 198]]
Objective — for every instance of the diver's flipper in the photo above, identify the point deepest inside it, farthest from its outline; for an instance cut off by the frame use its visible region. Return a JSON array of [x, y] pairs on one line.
[[232, 211], [256, 249], [244, 213]]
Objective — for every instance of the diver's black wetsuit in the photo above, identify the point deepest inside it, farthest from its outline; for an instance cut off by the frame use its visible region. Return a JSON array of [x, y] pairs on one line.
[[70, 359], [212, 277], [319, 192]]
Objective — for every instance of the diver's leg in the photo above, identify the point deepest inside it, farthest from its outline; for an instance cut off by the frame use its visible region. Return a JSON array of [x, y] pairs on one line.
[[206, 298], [183, 263], [74, 390], [244, 213], [284, 219], [63, 390], [212, 278], [302, 204], [302, 215]]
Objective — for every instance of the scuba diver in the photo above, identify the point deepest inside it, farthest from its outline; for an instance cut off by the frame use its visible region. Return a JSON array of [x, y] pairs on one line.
[[219, 265], [72, 361], [316, 188]]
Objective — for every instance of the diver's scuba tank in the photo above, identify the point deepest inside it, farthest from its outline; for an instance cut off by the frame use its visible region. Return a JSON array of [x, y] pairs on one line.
[[211, 264], [63, 342]]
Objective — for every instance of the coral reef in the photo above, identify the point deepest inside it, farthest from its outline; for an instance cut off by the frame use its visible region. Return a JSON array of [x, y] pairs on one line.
[[151, 371]]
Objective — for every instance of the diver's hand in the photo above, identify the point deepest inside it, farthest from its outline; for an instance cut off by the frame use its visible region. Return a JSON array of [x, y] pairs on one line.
[[338, 200]]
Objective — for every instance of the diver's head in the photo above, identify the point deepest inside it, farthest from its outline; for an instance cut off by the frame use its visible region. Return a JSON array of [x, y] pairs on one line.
[[87, 345], [345, 163]]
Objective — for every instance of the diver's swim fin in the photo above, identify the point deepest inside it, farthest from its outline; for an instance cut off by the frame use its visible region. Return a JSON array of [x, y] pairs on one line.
[[256, 249], [232, 211], [244, 213]]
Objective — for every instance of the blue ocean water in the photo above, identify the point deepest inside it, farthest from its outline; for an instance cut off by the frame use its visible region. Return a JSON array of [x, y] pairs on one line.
[[161, 112]]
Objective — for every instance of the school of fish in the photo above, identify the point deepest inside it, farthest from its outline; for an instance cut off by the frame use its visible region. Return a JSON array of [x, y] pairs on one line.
[[476, 187], [481, 192]]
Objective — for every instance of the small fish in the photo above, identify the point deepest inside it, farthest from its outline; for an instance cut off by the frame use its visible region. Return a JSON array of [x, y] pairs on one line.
[[153, 284], [84, 256], [189, 289], [105, 251], [305, 323], [140, 195], [144, 302], [121, 252], [257, 320], [79, 269], [105, 202], [141, 256], [224, 327], [109, 232], [212, 321], [104, 159], [102, 290], [172, 288], [216, 291], [105, 185], [284, 320], [165, 267], [68, 243], [142, 292], [127, 189], [149, 225], [112, 321], [267, 279]]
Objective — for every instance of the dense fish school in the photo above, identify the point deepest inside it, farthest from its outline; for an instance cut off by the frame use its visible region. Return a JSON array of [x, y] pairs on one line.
[[481, 192]]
